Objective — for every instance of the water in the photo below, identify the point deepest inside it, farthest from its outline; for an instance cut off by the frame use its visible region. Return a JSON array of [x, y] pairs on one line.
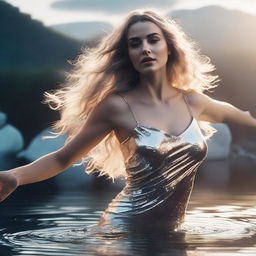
[[221, 220]]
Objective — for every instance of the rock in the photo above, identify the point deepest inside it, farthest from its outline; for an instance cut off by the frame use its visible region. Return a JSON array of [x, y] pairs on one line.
[[73, 178], [40, 146], [219, 144], [3, 119], [11, 142]]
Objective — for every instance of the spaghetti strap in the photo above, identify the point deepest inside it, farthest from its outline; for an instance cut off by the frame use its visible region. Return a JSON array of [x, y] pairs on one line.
[[186, 101], [127, 103]]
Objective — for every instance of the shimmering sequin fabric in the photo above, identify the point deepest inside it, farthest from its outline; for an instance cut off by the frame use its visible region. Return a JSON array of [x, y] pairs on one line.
[[160, 174]]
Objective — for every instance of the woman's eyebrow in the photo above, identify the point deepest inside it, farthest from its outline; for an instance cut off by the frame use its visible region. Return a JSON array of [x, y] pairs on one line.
[[149, 35]]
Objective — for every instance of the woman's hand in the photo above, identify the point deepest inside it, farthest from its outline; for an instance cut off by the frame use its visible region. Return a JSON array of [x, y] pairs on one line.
[[8, 183]]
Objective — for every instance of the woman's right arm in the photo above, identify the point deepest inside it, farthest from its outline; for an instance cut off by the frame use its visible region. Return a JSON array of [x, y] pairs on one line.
[[99, 124]]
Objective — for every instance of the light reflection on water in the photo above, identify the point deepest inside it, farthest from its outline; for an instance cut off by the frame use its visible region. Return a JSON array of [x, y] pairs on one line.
[[219, 222]]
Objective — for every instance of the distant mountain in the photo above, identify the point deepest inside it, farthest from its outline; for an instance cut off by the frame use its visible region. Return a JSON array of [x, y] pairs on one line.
[[218, 28], [229, 38], [27, 43], [85, 31]]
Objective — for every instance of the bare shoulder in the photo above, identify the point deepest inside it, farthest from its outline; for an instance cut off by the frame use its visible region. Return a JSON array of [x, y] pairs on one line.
[[111, 108], [207, 108], [195, 98], [198, 98], [113, 104], [102, 120], [196, 101]]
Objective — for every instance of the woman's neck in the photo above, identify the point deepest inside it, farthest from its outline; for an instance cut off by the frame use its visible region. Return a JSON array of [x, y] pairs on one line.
[[156, 87]]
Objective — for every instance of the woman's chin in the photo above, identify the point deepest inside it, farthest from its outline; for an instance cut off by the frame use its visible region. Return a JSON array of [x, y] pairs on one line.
[[150, 70]]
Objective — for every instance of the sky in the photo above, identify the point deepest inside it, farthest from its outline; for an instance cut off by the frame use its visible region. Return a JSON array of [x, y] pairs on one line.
[[52, 12]]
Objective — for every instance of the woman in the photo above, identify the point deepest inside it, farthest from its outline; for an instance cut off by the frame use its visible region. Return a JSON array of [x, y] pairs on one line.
[[132, 105]]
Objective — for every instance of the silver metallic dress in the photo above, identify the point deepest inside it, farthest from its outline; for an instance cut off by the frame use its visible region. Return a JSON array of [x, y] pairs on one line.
[[160, 175]]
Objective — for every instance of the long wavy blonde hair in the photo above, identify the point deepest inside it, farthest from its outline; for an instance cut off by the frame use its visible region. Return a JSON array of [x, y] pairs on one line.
[[106, 69]]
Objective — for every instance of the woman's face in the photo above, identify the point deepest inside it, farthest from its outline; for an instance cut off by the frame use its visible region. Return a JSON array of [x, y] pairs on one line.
[[147, 47]]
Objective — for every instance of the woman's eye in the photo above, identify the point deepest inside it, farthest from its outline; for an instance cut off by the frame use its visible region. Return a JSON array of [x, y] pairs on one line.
[[134, 45], [154, 40]]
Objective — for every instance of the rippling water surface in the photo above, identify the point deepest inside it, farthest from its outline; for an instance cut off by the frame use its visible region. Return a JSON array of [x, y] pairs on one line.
[[221, 220]]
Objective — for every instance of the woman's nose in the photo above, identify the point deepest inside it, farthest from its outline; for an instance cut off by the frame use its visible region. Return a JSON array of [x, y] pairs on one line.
[[145, 48], [146, 51]]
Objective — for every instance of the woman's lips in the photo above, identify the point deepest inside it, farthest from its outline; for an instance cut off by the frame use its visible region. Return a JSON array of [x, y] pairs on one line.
[[147, 60]]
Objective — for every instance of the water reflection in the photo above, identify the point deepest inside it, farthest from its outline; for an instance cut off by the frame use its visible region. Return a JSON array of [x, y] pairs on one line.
[[221, 221]]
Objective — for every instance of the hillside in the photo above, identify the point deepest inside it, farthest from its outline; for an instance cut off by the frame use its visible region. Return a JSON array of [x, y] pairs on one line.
[[219, 29], [26, 43], [31, 58], [83, 30]]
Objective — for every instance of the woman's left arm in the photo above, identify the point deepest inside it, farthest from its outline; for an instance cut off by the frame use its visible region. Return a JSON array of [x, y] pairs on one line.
[[215, 111]]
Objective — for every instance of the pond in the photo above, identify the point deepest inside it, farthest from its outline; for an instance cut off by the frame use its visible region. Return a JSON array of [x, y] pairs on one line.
[[220, 220]]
